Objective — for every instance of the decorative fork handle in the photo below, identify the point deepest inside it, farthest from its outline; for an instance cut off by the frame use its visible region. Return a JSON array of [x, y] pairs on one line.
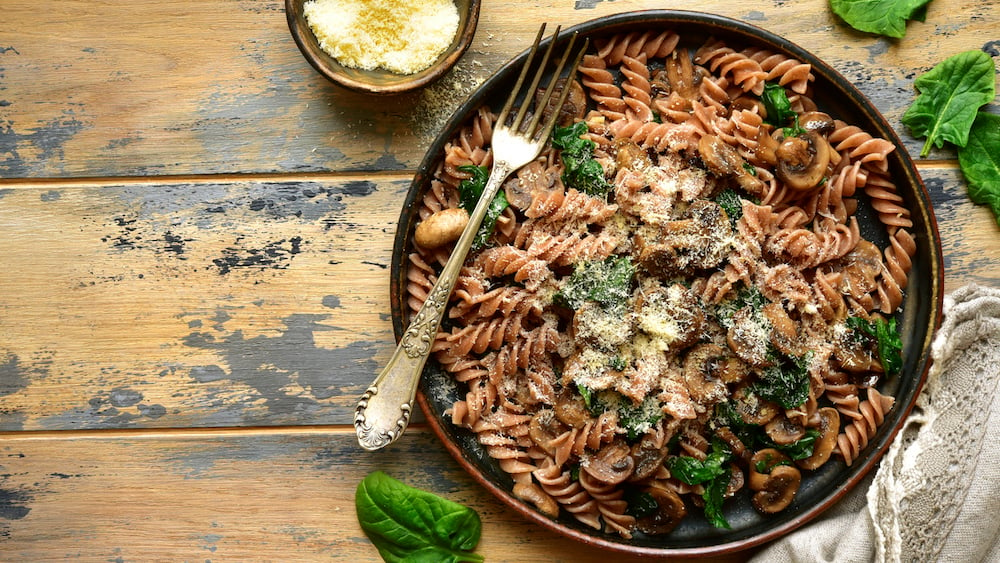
[[385, 408]]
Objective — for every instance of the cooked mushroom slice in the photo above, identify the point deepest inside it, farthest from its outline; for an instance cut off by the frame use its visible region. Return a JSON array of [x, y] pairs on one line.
[[441, 228], [699, 242], [529, 179], [575, 107], [724, 161], [648, 456], [784, 331], [682, 74], [612, 465], [570, 409], [601, 328], [630, 156], [733, 441], [860, 268], [701, 374], [543, 428], [736, 481], [817, 121], [530, 492], [779, 490], [752, 408], [783, 431], [748, 336], [761, 465], [669, 314], [670, 510], [829, 427], [802, 160]]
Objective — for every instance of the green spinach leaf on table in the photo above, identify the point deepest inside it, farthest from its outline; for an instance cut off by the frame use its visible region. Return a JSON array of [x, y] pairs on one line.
[[950, 96], [980, 161], [411, 525], [883, 17]]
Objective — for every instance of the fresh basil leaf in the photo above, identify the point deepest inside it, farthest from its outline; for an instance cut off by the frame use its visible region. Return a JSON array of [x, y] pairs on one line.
[[980, 161], [883, 17], [408, 524], [951, 94], [469, 193]]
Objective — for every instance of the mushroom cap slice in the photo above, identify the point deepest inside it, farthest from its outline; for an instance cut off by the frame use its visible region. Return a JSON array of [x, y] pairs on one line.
[[829, 427], [670, 510], [802, 160], [779, 490], [612, 465]]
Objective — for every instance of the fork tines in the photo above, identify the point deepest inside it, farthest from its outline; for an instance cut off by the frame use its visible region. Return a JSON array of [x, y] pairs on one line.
[[517, 124]]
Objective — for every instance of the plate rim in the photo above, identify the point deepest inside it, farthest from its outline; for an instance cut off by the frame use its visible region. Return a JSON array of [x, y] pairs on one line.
[[922, 209]]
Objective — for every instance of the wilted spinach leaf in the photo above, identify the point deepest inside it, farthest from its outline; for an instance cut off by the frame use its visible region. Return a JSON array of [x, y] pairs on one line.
[[713, 472], [951, 94], [581, 171], [884, 17], [608, 282], [887, 339], [469, 192], [785, 383], [410, 525], [980, 161]]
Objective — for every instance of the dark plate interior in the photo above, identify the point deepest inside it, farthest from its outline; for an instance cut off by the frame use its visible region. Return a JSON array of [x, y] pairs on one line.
[[919, 317]]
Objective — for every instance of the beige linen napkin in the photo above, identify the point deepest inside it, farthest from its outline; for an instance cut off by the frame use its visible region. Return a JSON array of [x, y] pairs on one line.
[[936, 493]]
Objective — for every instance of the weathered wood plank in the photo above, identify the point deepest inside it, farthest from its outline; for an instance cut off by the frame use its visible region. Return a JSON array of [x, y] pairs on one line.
[[232, 496], [207, 304], [93, 89]]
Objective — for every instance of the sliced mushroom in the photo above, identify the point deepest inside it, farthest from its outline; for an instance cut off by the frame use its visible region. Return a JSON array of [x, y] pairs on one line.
[[761, 464], [612, 465], [441, 227], [600, 328], [701, 374], [532, 493], [570, 409], [817, 121], [670, 314], [829, 427], [733, 441], [630, 156], [648, 456], [860, 268], [544, 428], [752, 408], [783, 431], [778, 491], [723, 160], [575, 107], [699, 242], [802, 160], [684, 78], [748, 336], [784, 331], [530, 178], [736, 481], [670, 510]]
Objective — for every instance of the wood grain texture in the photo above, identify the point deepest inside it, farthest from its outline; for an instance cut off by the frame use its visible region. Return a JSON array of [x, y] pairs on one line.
[[196, 234], [88, 89], [204, 497], [240, 303]]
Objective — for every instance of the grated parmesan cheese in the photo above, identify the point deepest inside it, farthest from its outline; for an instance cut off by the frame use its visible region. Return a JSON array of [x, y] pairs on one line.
[[401, 37]]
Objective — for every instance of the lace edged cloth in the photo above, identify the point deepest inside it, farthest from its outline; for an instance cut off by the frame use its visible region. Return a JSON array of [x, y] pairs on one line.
[[936, 494]]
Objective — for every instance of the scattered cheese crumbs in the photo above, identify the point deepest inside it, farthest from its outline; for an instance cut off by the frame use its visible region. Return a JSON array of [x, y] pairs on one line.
[[401, 37]]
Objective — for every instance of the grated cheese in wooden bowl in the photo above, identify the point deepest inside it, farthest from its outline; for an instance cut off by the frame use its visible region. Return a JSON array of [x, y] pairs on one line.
[[400, 37]]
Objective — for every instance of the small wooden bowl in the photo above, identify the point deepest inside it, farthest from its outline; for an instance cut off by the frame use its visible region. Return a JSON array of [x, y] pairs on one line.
[[380, 81]]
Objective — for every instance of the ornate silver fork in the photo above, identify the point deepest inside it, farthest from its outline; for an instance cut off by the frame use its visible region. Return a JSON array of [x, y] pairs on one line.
[[384, 410]]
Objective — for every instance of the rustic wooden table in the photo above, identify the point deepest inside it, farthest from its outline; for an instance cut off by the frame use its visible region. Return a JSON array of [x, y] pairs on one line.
[[196, 232]]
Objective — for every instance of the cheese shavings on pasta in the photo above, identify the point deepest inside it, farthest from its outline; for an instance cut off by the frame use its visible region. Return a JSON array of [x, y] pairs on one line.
[[688, 336]]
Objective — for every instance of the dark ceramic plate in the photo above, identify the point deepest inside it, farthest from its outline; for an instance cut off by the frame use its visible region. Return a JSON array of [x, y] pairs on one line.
[[918, 318]]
